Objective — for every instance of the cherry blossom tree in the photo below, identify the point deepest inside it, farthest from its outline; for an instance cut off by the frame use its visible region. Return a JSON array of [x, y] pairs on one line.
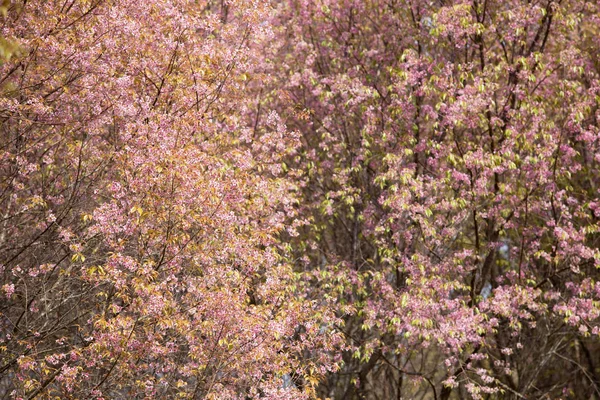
[[141, 203], [449, 171]]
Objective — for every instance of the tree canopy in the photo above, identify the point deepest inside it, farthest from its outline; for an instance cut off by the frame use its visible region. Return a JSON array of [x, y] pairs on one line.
[[298, 199]]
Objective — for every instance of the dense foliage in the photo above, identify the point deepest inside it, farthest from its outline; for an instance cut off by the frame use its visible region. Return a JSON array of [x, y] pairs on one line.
[[341, 199]]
